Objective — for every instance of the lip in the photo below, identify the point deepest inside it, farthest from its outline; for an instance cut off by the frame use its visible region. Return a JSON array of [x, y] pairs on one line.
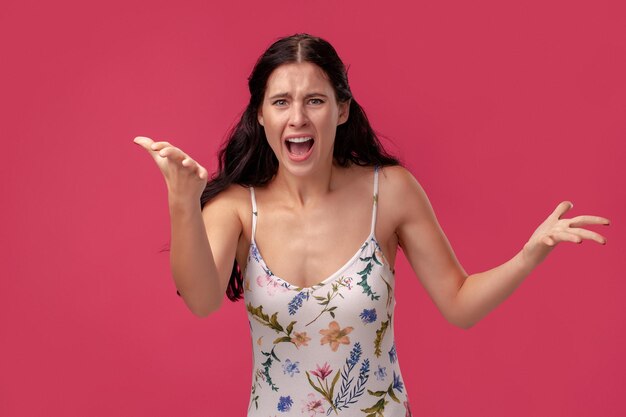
[[298, 158], [299, 135]]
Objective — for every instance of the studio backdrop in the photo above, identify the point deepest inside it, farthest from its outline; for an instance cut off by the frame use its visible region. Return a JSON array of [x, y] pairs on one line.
[[500, 109]]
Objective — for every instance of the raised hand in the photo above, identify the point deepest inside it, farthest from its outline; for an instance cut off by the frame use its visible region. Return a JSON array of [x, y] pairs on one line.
[[185, 178], [555, 230]]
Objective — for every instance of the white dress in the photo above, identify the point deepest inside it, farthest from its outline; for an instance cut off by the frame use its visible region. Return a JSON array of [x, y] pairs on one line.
[[328, 349]]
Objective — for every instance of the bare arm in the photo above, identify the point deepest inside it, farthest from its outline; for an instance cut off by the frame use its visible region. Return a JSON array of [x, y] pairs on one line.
[[200, 270], [484, 291], [464, 300]]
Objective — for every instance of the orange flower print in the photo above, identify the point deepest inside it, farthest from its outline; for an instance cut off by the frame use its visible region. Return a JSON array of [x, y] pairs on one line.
[[335, 336], [300, 339], [381, 258]]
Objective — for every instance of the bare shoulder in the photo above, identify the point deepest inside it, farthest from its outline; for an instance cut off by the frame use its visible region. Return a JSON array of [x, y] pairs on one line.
[[398, 185], [228, 220], [399, 182], [397, 178], [229, 205], [231, 198]]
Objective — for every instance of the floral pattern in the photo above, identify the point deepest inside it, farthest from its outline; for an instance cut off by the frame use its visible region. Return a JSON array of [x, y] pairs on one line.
[[284, 404], [380, 373], [328, 349], [300, 339], [270, 284], [368, 316], [322, 384], [312, 405], [393, 356], [290, 368], [335, 336]]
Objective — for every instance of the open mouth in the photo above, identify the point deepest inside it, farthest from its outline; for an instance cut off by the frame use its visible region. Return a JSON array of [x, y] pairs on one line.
[[299, 147]]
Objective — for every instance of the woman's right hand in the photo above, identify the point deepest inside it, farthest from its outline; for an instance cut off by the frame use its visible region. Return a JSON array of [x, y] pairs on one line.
[[185, 178]]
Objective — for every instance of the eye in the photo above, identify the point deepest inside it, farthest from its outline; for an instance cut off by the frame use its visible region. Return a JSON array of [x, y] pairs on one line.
[[280, 102], [316, 101]]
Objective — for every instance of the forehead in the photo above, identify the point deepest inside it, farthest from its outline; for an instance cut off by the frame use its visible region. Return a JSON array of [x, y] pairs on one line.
[[297, 77]]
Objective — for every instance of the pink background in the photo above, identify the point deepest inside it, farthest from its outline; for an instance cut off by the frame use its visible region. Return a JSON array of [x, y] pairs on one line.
[[501, 109]]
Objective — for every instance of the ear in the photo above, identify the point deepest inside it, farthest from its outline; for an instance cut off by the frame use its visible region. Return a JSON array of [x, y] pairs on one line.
[[259, 116], [344, 112]]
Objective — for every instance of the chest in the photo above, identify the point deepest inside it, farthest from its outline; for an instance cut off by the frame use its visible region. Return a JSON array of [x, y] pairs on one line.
[[365, 279], [305, 248]]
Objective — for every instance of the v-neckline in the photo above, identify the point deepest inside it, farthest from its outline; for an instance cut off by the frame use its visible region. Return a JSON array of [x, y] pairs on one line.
[[330, 278]]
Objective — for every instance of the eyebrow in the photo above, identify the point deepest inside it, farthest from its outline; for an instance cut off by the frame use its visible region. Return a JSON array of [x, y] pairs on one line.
[[283, 95]]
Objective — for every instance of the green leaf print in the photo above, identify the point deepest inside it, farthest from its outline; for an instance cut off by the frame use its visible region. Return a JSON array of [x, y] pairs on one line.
[[375, 259], [271, 322], [330, 295], [389, 292], [321, 374], [282, 339], [380, 334], [392, 395], [290, 327], [368, 268], [254, 397], [367, 290], [378, 408], [266, 368]]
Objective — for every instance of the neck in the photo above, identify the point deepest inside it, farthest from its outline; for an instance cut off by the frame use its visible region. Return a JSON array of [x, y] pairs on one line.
[[307, 189]]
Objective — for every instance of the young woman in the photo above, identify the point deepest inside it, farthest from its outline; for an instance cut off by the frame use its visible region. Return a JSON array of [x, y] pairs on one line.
[[303, 220]]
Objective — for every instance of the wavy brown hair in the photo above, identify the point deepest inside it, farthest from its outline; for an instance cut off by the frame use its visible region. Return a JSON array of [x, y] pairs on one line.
[[246, 157]]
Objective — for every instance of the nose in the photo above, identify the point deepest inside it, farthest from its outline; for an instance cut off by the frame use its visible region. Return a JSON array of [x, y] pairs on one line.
[[297, 115]]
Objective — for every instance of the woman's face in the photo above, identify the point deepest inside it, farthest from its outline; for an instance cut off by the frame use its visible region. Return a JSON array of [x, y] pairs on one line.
[[300, 115]]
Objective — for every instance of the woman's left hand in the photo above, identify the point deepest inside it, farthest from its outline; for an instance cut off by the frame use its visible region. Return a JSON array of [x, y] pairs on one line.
[[555, 230]]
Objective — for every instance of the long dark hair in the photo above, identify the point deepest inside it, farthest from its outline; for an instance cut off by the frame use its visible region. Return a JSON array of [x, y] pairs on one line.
[[247, 159]]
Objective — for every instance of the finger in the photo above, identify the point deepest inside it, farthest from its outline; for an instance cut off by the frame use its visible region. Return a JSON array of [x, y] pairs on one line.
[[147, 143], [562, 208], [203, 173], [588, 234], [586, 219], [172, 153], [190, 164], [196, 168], [157, 146], [144, 142], [563, 236]]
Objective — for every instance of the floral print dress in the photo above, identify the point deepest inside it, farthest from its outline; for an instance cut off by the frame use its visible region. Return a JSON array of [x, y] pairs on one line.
[[328, 349]]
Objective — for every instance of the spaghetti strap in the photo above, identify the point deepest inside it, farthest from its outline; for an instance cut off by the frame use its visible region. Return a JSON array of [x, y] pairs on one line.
[[254, 212], [375, 204]]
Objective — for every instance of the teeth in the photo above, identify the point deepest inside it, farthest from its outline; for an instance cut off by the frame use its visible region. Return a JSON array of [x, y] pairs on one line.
[[299, 140]]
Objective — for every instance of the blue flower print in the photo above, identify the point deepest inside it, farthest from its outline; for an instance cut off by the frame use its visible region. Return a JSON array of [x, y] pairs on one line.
[[289, 368], [380, 373], [397, 384], [255, 253], [393, 356], [368, 316], [284, 404], [296, 302], [355, 355]]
